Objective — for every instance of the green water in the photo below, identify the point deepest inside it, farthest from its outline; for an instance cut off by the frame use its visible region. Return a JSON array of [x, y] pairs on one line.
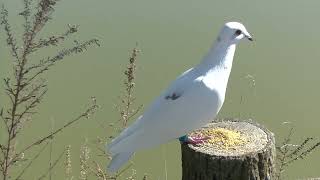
[[174, 35]]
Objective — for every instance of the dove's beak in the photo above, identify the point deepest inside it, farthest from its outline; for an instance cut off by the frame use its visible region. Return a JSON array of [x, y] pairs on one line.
[[249, 37]]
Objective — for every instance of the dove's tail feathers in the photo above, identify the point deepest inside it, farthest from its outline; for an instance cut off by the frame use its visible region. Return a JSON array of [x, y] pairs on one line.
[[118, 160], [125, 133]]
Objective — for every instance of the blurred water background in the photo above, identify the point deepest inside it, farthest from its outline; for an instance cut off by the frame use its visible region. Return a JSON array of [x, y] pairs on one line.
[[284, 61]]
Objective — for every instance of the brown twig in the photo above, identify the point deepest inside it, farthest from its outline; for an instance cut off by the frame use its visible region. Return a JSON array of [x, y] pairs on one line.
[[85, 114], [11, 42]]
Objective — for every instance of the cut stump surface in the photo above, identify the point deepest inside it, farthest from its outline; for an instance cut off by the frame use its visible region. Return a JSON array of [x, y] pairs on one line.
[[234, 151]]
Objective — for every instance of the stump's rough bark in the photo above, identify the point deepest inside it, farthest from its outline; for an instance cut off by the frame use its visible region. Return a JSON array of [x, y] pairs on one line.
[[259, 164]]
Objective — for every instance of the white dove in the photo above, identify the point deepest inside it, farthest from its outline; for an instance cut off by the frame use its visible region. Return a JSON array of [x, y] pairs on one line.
[[190, 102]]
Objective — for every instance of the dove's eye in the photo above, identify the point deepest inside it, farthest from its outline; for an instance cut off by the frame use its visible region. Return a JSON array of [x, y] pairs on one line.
[[238, 32]]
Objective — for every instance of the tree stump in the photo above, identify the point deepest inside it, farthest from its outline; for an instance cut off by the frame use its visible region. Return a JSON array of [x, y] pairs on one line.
[[235, 151]]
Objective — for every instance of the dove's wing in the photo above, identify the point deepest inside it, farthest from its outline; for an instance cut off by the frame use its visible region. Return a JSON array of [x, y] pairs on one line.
[[173, 87], [186, 105]]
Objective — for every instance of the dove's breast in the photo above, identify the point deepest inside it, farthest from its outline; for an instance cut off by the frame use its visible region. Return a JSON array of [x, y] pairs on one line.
[[205, 104]]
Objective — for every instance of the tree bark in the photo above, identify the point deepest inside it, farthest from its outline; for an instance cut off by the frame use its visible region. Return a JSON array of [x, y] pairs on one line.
[[252, 160]]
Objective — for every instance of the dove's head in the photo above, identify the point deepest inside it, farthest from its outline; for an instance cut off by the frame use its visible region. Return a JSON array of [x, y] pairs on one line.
[[233, 32]]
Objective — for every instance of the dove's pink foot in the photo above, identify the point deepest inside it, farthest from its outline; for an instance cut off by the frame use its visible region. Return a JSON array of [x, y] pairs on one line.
[[194, 140]]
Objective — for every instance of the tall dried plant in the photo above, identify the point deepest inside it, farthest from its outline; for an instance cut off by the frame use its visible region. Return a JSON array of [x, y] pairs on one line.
[[288, 153], [26, 88], [84, 158], [67, 163], [126, 108]]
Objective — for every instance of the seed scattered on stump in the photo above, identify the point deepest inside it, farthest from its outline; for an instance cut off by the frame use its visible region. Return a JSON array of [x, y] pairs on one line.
[[221, 137], [230, 139]]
